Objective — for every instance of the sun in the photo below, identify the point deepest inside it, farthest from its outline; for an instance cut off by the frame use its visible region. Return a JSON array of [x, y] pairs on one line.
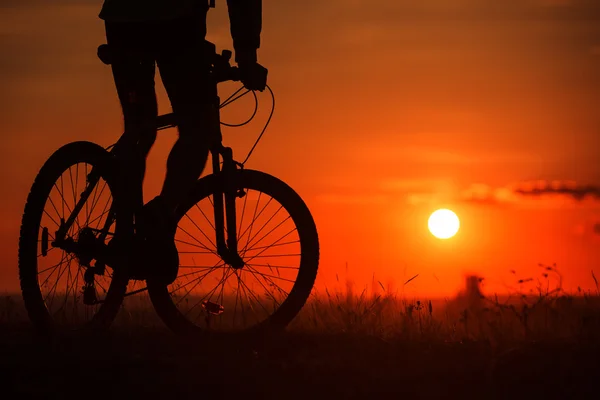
[[443, 224]]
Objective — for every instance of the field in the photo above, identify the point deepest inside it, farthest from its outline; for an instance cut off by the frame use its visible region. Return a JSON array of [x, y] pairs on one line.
[[544, 344]]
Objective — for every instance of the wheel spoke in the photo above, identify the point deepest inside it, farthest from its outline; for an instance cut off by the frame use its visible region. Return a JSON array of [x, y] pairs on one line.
[[49, 268], [279, 255], [266, 289], [263, 227], [275, 245], [226, 275], [205, 217], [249, 302], [194, 245], [60, 192], [97, 199], [273, 266], [64, 201], [239, 228], [199, 279], [199, 242], [270, 276], [55, 209], [262, 251], [63, 259], [201, 231], [271, 251], [255, 217], [98, 219], [49, 216], [60, 274], [254, 296], [271, 231]]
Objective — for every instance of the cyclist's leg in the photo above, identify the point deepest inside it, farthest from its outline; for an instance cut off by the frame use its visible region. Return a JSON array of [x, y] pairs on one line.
[[133, 71], [184, 70]]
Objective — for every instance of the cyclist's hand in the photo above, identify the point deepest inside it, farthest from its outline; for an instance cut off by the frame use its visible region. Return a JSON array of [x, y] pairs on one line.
[[253, 76]]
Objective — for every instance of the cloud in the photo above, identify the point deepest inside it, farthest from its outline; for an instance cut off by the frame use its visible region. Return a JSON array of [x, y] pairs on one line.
[[539, 194], [569, 189], [486, 195]]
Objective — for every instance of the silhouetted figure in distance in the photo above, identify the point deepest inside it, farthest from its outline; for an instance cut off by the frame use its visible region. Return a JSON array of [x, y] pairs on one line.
[[170, 34]]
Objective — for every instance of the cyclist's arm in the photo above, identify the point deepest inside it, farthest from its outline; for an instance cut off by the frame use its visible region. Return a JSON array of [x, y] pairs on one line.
[[245, 17]]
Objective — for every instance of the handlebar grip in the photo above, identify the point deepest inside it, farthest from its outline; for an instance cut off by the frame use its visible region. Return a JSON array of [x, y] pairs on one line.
[[226, 54], [227, 74]]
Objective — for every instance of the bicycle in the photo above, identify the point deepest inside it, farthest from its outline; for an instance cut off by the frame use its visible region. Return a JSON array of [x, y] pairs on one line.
[[84, 286]]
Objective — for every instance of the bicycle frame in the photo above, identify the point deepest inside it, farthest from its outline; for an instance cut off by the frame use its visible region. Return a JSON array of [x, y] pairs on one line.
[[223, 197]]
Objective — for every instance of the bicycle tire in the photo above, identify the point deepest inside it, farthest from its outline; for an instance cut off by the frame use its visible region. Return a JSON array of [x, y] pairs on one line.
[[52, 170], [309, 242]]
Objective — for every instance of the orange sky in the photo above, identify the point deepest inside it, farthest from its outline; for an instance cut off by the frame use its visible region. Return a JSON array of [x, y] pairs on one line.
[[386, 110]]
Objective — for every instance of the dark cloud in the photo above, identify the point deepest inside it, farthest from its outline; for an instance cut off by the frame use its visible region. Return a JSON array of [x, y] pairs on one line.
[[576, 192], [597, 228], [489, 196]]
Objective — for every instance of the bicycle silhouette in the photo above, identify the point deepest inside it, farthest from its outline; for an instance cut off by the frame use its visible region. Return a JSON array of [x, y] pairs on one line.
[[238, 234]]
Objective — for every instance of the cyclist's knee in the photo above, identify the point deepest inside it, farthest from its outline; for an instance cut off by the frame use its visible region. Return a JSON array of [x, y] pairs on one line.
[[146, 141]]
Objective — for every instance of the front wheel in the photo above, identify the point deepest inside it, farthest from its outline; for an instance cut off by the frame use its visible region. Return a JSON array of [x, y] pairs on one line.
[[278, 242]]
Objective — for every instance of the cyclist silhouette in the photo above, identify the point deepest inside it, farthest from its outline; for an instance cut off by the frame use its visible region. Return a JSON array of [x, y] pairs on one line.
[[170, 34]]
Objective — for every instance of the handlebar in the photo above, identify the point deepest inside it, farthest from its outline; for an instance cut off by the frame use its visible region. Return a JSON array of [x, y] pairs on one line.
[[221, 68]]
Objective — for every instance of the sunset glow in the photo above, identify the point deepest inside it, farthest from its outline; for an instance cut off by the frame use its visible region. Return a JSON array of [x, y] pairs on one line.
[[341, 199], [386, 111]]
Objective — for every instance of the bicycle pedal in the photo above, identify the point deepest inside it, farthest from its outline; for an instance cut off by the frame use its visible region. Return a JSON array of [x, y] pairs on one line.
[[89, 295]]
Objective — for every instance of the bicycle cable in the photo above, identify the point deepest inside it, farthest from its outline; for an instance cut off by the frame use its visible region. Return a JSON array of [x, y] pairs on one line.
[[264, 128], [235, 96]]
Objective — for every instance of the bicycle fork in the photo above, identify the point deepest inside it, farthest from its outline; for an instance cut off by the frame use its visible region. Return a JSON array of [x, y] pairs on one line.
[[224, 207]]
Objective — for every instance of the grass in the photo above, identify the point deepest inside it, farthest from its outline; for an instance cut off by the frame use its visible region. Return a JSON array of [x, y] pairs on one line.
[[541, 314], [537, 342]]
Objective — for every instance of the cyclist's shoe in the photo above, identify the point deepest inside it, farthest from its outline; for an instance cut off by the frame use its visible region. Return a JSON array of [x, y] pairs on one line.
[[123, 253], [157, 228]]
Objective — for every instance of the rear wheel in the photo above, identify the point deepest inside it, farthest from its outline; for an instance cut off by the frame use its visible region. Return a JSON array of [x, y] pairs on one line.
[[278, 242], [69, 289]]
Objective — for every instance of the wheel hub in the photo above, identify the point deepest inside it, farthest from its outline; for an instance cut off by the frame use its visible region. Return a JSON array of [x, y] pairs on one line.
[[234, 260]]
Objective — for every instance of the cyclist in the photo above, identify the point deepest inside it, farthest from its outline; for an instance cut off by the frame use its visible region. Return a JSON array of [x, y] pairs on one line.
[[171, 35]]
